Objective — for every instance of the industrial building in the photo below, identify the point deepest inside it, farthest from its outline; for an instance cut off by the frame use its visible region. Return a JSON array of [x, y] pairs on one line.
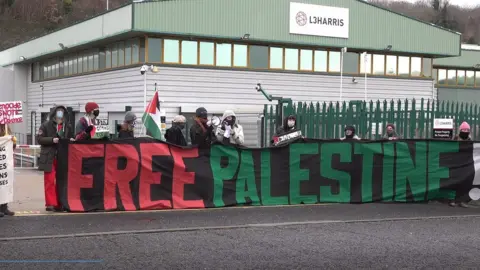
[[212, 53]]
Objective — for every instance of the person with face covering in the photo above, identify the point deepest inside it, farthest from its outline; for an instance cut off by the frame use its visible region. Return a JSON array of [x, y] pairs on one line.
[[289, 125], [48, 136], [350, 134], [230, 131], [86, 124], [127, 128], [201, 132], [174, 135], [5, 131], [463, 135], [390, 133]]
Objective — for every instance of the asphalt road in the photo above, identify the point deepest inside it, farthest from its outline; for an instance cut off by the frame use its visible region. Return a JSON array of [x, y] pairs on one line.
[[369, 236]]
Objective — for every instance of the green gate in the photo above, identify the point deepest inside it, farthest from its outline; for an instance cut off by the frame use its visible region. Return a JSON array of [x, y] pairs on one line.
[[413, 119]]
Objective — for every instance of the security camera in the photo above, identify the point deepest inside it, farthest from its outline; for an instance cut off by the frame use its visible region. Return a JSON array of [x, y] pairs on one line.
[[143, 69], [354, 80], [258, 87]]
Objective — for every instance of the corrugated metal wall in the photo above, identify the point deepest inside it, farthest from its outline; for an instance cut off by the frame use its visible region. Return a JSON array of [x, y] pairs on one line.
[[371, 28], [216, 90]]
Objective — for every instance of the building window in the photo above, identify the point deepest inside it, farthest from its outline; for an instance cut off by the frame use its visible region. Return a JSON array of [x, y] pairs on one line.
[[85, 62], [240, 55], [470, 80], [108, 57], [121, 54], [442, 76], [291, 59], [461, 77], [452, 77], [224, 55], [276, 58], [427, 67], [378, 64], [75, 65], [114, 56], [416, 66], [351, 63], [334, 61], [90, 61], [138, 50], [306, 60], [128, 52], [207, 53], [171, 53], [477, 78], [321, 61], [403, 66], [101, 60], [96, 59], [189, 52], [154, 50], [366, 63], [391, 65], [36, 71], [258, 57]]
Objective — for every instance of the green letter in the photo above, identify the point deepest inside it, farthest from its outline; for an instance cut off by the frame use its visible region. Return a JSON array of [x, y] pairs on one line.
[[367, 150], [297, 175], [326, 170], [388, 163], [435, 172], [246, 180], [414, 174], [221, 174], [267, 198]]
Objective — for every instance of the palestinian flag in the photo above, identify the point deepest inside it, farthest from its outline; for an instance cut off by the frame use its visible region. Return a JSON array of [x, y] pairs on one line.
[[151, 118]]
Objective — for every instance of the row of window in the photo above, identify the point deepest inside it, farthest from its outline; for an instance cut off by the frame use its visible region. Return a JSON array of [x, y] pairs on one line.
[[123, 53], [453, 77]]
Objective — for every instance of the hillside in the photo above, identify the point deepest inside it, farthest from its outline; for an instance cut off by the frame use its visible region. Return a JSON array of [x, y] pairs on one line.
[[22, 20]]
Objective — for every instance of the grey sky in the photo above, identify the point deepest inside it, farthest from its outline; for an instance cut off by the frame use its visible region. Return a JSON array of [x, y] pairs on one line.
[[463, 3]]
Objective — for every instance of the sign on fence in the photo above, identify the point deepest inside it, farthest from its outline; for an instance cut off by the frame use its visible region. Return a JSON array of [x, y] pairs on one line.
[[11, 112], [443, 128], [149, 174], [6, 170]]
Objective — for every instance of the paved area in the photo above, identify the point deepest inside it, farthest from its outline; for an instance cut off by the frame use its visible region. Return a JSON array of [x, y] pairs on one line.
[[28, 192]]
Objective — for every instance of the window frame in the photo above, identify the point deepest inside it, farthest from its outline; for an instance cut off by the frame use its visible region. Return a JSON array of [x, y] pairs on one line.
[[282, 58], [179, 51]]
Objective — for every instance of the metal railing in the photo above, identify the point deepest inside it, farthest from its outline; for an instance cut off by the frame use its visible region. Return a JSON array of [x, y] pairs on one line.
[[26, 156]]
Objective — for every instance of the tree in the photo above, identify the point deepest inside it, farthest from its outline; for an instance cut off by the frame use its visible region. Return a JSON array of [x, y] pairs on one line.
[[4, 4]]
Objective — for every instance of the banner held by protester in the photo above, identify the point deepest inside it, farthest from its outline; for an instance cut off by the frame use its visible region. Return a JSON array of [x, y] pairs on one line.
[[6, 169]]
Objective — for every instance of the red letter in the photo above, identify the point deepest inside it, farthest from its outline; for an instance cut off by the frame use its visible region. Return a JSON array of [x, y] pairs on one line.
[[181, 178], [148, 177], [77, 180], [122, 178]]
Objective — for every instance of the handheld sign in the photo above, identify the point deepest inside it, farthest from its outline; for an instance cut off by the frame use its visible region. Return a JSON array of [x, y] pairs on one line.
[[287, 138], [11, 112], [442, 128], [100, 129]]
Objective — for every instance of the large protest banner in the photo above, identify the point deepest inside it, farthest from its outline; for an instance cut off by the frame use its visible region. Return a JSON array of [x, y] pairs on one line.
[[144, 173], [6, 169], [11, 112]]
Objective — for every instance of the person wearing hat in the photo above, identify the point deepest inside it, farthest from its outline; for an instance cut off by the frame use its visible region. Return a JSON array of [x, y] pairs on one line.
[[350, 134], [174, 135], [126, 130], [48, 136], [201, 132], [463, 135], [86, 124]]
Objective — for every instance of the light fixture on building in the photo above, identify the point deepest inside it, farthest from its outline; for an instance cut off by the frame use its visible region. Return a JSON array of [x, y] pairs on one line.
[[246, 37], [389, 48], [23, 58], [62, 46]]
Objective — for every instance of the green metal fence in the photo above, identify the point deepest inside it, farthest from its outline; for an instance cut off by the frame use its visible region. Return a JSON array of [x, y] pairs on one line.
[[413, 119]]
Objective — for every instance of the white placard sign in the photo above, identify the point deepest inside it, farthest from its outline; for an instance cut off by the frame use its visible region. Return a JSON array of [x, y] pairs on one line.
[[315, 20], [6, 169], [440, 123], [11, 112], [102, 125]]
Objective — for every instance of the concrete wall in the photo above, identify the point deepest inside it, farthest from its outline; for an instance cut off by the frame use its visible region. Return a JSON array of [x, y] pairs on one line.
[[467, 95], [185, 89]]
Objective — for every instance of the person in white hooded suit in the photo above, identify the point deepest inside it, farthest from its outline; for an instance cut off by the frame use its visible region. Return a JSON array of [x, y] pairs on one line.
[[229, 131]]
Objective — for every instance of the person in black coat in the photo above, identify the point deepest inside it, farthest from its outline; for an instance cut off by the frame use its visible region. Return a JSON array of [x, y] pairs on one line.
[[126, 130], [201, 132], [174, 135]]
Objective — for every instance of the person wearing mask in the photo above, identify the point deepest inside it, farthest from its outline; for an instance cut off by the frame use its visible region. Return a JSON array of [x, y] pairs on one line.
[[5, 131], [86, 124], [463, 135], [390, 133], [289, 125], [127, 128], [350, 134], [48, 136], [174, 135], [201, 132], [230, 131]]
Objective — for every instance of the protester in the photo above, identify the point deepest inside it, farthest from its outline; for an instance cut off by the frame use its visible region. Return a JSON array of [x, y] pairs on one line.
[[350, 134], [174, 135], [5, 131], [87, 123], [390, 133], [49, 134], [230, 131], [127, 128], [201, 132], [463, 135], [289, 125]]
